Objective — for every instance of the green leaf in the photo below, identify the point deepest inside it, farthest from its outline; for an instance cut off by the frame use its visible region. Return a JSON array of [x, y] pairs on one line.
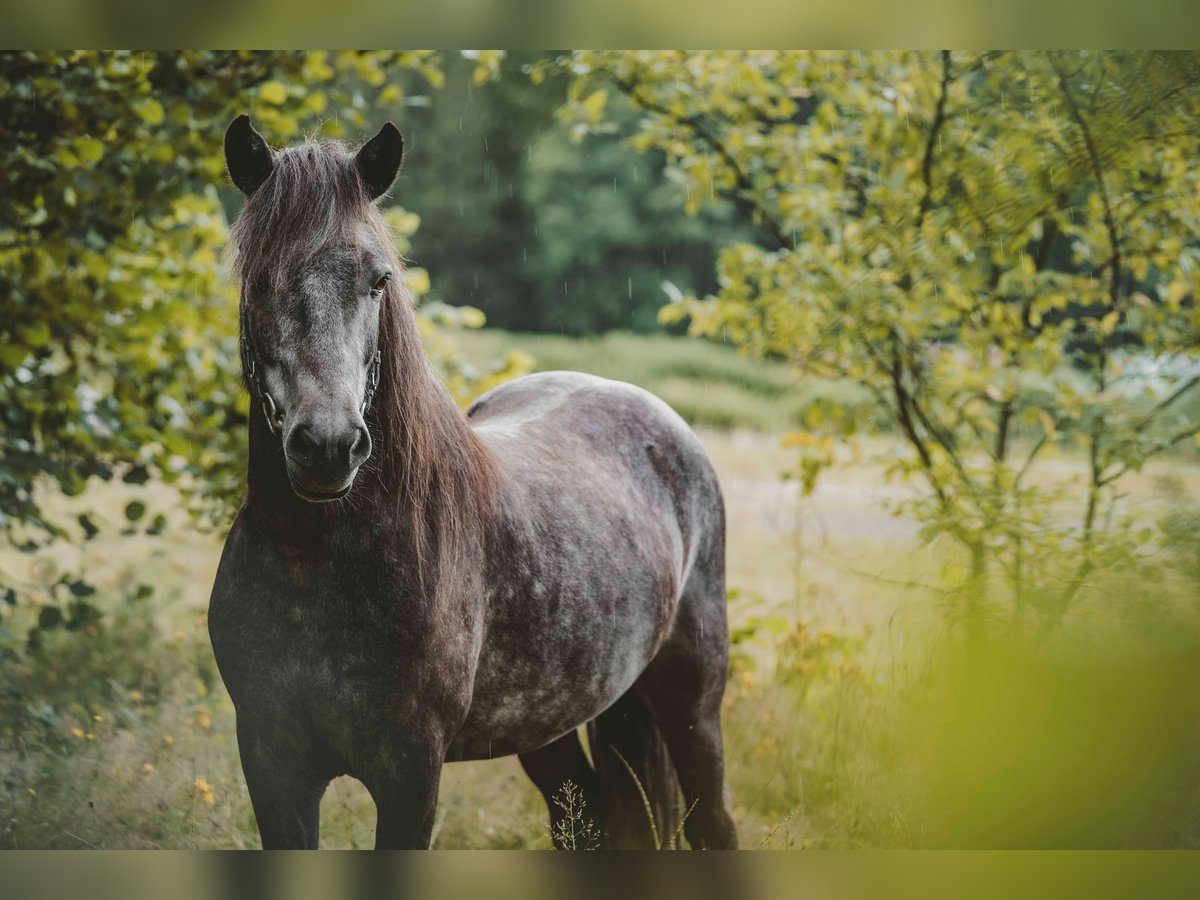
[[49, 617], [81, 588]]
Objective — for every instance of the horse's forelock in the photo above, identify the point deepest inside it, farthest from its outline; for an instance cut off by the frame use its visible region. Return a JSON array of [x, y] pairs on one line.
[[313, 199]]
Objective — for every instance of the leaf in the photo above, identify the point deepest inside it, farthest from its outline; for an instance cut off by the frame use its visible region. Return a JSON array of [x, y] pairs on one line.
[[134, 510], [273, 92], [81, 588], [136, 475], [89, 150], [593, 105], [1048, 425], [89, 527], [150, 111]]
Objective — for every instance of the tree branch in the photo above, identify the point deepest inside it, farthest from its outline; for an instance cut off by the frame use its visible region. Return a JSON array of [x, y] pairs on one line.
[[745, 189]]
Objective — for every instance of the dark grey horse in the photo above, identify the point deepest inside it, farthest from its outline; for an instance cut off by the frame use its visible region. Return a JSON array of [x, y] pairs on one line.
[[406, 586]]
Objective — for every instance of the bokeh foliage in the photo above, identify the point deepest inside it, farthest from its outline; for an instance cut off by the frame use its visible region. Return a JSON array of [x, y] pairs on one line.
[[991, 244], [542, 231], [117, 344]]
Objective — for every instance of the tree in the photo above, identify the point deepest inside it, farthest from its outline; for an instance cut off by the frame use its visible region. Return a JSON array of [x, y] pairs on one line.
[[118, 353], [990, 243], [539, 231], [608, 234]]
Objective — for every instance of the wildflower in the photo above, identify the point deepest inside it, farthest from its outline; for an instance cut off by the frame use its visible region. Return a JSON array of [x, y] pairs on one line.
[[77, 731], [168, 740], [147, 768], [206, 791]]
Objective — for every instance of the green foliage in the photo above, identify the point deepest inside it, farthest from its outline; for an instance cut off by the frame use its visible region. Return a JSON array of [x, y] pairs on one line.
[[117, 343], [608, 235], [539, 231], [973, 238]]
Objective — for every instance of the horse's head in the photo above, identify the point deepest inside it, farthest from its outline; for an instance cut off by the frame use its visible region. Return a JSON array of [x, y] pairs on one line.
[[315, 262]]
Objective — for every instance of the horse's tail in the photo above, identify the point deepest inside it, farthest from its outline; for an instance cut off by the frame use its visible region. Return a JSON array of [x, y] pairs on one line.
[[641, 796]]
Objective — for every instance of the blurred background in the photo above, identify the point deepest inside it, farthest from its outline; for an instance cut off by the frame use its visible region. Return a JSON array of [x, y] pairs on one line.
[[932, 314]]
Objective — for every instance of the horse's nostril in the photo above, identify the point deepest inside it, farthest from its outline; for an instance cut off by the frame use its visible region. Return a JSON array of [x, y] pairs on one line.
[[302, 445], [360, 447]]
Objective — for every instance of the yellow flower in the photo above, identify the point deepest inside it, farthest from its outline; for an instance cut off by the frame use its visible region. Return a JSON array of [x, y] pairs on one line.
[[77, 731], [168, 740], [147, 769], [206, 791]]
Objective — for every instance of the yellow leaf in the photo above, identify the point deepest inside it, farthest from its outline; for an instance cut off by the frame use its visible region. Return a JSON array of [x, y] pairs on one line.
[[417, 280], [470, 317], [797, 439], [89, 149], [1048, 425], [273, 92], [150, 111], [316, 102], [593, 106]]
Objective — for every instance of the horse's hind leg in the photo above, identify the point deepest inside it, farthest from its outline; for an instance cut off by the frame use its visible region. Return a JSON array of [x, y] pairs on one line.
[[550, 768], [683, 686]]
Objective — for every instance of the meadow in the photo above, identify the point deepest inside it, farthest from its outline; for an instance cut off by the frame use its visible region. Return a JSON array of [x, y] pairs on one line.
[[857, 715]]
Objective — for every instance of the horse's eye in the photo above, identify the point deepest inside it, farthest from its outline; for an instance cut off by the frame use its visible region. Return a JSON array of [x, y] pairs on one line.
[[383, 279]]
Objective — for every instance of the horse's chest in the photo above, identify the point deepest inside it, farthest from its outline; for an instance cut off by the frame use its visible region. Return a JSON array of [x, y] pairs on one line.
[[325, 637]]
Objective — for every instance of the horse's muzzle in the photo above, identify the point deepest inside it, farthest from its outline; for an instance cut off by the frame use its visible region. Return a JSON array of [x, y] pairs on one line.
[[322, 462]]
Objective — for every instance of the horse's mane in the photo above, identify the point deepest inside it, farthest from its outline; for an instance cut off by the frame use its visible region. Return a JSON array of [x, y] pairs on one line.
[[442, 475]]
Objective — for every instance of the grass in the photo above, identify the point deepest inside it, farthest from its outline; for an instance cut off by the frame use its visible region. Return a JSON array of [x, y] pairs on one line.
[[709, 384], [853, 718]]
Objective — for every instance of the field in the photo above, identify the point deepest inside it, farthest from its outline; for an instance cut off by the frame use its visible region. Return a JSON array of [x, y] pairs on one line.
[[856, 717]]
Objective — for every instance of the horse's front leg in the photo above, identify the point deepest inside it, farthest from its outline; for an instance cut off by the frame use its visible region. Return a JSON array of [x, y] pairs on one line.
[[405, 791], [285, 789]]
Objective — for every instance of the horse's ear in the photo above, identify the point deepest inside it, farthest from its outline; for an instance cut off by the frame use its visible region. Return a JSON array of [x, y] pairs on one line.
[[247, 155], [379, 160]]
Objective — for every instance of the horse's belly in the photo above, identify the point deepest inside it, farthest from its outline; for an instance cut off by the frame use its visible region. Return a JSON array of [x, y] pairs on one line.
[[524, 701]]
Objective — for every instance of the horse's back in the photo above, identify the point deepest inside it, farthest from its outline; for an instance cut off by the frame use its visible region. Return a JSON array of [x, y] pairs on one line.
[[579, 426], [607, 414]]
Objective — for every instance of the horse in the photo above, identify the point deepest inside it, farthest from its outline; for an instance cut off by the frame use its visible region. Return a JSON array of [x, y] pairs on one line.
[[406, 585]]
